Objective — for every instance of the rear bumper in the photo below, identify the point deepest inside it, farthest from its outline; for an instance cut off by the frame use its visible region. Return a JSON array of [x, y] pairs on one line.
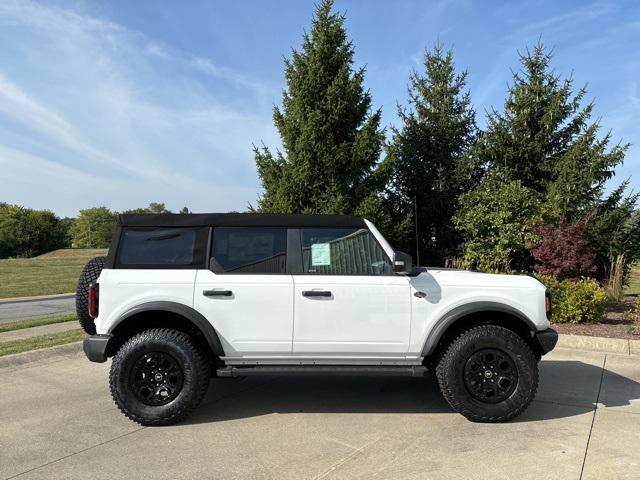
[[95, 347], [547, 340]]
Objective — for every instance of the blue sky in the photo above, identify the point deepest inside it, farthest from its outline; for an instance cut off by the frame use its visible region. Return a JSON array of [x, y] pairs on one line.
[[124, 103]]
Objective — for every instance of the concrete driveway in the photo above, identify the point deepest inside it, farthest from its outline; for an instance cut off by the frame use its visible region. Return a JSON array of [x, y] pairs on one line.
[[12, 310], [57, 420]]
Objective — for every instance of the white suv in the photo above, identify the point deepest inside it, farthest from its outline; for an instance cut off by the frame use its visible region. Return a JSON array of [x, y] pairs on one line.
[[181, 298]]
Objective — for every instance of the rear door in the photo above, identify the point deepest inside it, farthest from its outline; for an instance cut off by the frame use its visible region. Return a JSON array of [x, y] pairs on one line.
[[348, 302], [246, 293]]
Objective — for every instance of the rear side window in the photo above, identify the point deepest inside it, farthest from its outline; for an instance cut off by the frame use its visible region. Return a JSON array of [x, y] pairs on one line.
[[249, 250], [342, 251], [162, 247]]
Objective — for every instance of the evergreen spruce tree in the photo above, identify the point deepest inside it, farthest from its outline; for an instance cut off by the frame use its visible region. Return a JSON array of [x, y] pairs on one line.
[[431, 166], [331, 139], [544, 139]]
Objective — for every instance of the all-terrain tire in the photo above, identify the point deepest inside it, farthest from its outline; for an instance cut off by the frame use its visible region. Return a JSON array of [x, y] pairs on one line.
[[180, 348], [89, 275], [457, 391]]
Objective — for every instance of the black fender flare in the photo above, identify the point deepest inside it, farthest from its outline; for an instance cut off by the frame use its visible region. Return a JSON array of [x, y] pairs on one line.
[[449, 318], [195, 317]]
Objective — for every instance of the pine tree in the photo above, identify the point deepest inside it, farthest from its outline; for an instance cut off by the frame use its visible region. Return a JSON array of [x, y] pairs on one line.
[[331, 139], [544, 139], [430, 159]]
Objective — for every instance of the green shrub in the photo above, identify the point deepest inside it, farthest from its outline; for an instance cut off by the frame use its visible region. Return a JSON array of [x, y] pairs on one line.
[[495, 223], [576, 301]]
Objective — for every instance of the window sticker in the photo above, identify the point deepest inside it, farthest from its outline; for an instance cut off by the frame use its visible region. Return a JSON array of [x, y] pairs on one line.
[[320, 254]]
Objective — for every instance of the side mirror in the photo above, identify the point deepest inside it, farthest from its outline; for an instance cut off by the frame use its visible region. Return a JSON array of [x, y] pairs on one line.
[[402, 263]]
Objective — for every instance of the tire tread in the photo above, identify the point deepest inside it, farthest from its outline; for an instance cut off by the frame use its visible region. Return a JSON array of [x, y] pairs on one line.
[[200, 370], [89, 275], [445, 381]]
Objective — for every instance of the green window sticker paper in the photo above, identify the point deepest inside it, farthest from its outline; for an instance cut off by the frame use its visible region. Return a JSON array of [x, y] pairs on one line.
[[320, 254]]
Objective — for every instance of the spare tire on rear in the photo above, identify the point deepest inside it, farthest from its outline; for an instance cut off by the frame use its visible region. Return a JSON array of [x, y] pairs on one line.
[[89, 275]]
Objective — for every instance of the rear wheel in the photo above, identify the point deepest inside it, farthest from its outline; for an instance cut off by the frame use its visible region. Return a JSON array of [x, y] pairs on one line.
[[89, 275], [488, 374], [158, 377]]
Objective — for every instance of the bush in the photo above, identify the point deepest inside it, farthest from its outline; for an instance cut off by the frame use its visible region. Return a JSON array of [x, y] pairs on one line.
[[495, 222], [575, 301], [564, 250]]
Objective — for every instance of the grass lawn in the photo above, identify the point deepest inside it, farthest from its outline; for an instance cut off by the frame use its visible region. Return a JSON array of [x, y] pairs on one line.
[[36, 322], [634, 281], [54, 272], [43, 341]]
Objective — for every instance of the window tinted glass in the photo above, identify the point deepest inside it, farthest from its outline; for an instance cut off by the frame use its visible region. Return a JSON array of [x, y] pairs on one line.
[[249, 250], [342, 251], [162, 246]]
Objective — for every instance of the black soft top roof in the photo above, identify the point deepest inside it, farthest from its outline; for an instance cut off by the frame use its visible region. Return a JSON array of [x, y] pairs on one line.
[[238, 220]]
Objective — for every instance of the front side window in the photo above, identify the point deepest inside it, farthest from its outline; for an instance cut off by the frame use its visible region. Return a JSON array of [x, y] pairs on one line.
[[171, 247], [342, 251], [249, 250]]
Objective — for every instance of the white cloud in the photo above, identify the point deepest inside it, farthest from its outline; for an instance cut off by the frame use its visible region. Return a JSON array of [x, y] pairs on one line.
[[105, 115]]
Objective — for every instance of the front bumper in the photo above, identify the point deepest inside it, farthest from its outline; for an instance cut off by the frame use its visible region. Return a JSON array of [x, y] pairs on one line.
[[547, 340], [95, 347]]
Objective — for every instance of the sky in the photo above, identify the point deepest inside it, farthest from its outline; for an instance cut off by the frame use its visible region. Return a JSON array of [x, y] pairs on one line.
[[121, 103]]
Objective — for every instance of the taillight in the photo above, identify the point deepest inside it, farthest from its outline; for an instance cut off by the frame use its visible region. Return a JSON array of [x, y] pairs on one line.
[[547, 303], [93, 300]]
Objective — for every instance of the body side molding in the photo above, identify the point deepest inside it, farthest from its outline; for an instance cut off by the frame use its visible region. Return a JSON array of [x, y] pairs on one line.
[[449, 318]]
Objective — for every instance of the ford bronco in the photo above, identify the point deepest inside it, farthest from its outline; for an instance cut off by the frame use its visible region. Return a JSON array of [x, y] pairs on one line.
[[182, 298]]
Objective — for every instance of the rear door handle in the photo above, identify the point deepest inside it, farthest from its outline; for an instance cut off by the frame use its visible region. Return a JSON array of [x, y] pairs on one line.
[[217, 293], [316, 293]]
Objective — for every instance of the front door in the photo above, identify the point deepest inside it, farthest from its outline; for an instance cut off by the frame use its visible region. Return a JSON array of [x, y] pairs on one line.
[[247, 295], [348, 302]]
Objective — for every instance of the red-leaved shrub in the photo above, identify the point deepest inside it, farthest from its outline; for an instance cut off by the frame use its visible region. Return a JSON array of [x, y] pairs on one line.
[[564, 250]]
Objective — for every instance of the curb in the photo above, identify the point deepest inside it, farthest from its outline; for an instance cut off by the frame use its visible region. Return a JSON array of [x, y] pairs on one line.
[[32, 356], [37, 297], [37, 331], [621, 346]]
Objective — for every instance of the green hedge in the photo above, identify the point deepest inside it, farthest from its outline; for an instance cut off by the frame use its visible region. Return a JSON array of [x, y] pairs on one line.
[[576, 301]]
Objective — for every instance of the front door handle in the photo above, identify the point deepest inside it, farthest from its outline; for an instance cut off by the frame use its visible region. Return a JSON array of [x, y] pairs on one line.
[[316, 293], [217, 293]]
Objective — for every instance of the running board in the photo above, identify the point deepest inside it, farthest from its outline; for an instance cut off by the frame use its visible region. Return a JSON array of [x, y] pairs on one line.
[[328, 370]]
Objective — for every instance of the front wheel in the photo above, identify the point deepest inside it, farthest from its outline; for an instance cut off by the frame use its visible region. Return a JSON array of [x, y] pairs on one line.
[[158, 377], [488, 374]]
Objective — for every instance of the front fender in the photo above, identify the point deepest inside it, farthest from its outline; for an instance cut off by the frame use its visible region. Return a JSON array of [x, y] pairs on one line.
[[450, 317]]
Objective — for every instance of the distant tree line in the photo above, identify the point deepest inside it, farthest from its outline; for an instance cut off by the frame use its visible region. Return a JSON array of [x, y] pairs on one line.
[[525, 193], [25, 232]]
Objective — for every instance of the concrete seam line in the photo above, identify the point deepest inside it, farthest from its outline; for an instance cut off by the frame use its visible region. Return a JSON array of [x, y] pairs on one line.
[[593, 419], [76, 453]]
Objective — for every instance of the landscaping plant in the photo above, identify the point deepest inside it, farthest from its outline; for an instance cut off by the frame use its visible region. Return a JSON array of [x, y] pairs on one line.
[[576, 301], [564, 250], [430, 162], [331, 136]]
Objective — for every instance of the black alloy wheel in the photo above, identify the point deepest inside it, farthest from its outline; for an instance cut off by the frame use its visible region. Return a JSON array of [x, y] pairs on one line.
[[156, 379], [490, 375]]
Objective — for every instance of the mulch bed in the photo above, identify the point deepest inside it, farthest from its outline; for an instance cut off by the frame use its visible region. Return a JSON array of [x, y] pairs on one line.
[[620, 315]]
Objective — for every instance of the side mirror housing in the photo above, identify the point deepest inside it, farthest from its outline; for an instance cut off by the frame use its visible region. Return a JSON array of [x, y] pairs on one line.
[[402, 263]]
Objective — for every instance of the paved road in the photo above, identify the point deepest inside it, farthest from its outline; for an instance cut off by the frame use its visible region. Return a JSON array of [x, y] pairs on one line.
[[58, 422], [26, 309]]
